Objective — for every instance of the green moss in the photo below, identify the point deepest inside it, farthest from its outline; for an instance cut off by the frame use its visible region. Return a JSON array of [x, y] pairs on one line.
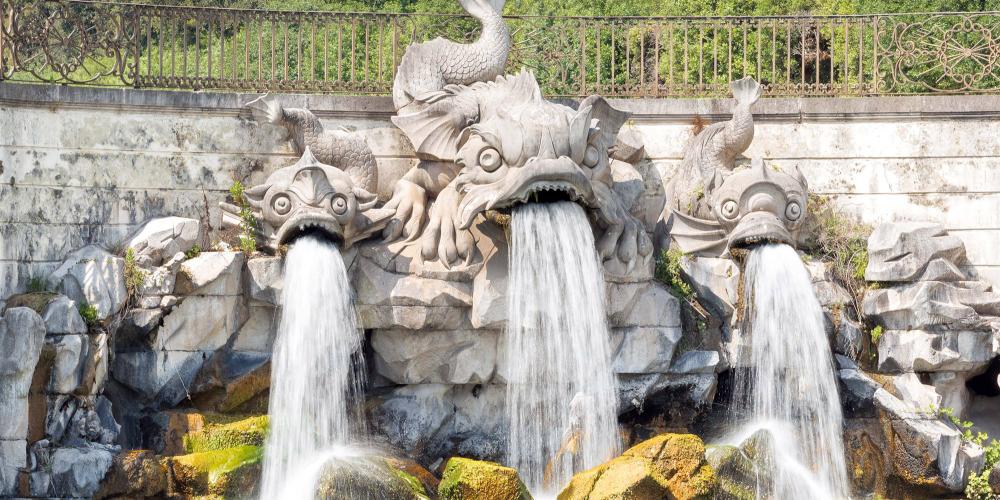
[[668, 271], [217, 463], [415, 485], [218, 436], [467, 479]]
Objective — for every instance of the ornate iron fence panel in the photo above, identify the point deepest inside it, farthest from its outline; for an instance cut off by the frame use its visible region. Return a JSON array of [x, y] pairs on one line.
[[149, 46]]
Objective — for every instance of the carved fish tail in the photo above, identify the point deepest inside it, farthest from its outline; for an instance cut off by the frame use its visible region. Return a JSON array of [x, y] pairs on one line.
[[266, 110], [739, 130], [746, 91]]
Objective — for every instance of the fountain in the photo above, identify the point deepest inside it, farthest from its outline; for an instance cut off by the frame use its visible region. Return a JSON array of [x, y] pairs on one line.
[[561, 399], [785, 395]]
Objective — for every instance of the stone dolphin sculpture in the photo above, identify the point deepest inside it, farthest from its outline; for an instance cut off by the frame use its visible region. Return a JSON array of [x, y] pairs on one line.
[[310, 196]]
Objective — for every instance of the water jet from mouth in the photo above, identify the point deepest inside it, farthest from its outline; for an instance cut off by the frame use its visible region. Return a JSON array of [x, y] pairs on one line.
[[317, 371], [561, 399], [788, 393]]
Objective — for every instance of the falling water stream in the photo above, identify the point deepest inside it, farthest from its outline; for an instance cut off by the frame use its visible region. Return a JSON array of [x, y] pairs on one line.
[[315, 372], [790, 391], [561, 400]]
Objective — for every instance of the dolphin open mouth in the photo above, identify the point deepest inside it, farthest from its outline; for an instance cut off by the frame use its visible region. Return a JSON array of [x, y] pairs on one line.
[[310, 223], [538, 181], [759, 228]]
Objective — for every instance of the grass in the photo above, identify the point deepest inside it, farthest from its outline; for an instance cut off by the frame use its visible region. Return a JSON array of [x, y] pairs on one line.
[[135, 276]]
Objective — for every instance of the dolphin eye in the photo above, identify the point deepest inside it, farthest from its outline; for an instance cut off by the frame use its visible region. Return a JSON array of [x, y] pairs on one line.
[[793, 211], [338, 204], [489, 159], [729, 209], [281, 204]]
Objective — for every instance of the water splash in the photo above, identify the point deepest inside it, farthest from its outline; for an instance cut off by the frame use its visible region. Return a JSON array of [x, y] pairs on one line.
[[790, 391], [561, 399], [316, 370]]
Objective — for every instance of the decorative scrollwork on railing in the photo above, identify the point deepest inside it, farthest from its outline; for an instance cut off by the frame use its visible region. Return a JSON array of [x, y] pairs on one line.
[[158, 46], [58, 43], [943, 53]]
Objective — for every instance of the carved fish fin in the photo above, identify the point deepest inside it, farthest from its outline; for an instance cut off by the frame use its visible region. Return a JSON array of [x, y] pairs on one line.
[[434, 131], [696, 236], [366, 199], [609, 119], [365, 224], [265, 109], [579, 129]]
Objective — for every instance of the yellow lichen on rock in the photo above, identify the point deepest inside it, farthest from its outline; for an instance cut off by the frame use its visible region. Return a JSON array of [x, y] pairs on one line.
[[218, 435], [665, 467], [227, 472], [467, 479]]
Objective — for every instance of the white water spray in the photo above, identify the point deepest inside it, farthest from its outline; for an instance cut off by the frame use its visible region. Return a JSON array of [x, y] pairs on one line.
[[316, 370], [791, 390], [561, 399]]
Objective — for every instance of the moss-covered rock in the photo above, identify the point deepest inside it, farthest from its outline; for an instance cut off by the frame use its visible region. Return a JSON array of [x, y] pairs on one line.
[[664, 467], [230, 472], [220, 433], [33, 300], [734, 471], [367, 477], [467, 479]]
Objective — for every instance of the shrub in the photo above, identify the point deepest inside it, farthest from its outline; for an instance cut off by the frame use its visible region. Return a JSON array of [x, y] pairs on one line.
[[88, 312], [668, 271], [135, 277], [248, 223], [193, 252], [876, 334]]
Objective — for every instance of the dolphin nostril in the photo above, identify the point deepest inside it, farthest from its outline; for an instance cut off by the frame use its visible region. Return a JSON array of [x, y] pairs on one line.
[[762, 202]]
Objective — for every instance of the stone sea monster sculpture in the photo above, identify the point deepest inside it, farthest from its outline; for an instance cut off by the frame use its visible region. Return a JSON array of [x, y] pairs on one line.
[[428, 67], [713, 206], [311, 196], [488, 142]]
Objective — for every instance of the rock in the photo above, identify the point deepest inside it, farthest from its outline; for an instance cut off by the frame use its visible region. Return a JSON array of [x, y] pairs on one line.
[[211, 273], [264, 278], [715, 281], [666, 466], [162, 238], [231, 379], [70, 356], [412, 317], [375, 286], [465, 479], [134, 473], [450, 357], [159, 281], [911, 391], [200, 323], [62, 316], [641, 304], [696, 362], [925, 351], [93, 276], [158, 377], [681, 396], [489, 291], [479, 426], [930, 304], [831, 295], [849, 339], [951, 388], [902, 251], [402, 258], [995, 479], [857, 393], [168, 301], [644, 350], [409, 416], [367, 477], [22, 334], [226, 472], [78, 472], [736, 472], [75, 421], [13, 458], [221, 435], [258, 332], [136, 329]]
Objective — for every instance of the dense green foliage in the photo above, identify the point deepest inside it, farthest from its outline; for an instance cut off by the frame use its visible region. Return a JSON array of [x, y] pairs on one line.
[[670, 273], [616, 7]]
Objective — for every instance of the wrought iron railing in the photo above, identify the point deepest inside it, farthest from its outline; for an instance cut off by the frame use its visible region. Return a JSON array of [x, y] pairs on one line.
[[89, 42]]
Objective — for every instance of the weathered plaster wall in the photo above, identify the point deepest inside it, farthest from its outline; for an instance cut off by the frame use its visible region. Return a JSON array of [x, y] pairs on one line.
[[85, 165]]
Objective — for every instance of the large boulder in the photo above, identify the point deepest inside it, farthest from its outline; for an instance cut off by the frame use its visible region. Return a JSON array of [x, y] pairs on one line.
[[666, 466], [62, 317], [644, 349], [134, 474], [364, 476], [935, 351], [211, 273], [264, 278], [22, 334], [931, 304], [93, 276], [464, 479], [228, 472], [73, 472], [163, 237], [913, 251]]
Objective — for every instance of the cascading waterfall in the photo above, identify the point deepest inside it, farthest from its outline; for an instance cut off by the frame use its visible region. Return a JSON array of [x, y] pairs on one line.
[[561, 398], [790, 391], [316, 371]]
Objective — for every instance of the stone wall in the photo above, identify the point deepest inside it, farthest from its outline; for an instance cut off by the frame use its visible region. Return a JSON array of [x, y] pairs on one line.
[[87, 165]]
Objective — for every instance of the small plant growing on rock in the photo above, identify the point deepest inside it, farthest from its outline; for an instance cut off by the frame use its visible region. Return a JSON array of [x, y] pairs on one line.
[[193, 252], [135, 277], [88, 312], [876, 334], [668, 271], [978, 487], [248, 223], [37, 284]]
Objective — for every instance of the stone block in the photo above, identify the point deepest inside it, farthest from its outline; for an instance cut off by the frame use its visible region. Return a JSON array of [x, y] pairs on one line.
[[62, 316], [163, 237], [264, 278], [641, 304], [715, 281], [211, 273], [901, 251], [257, 334], [931, 304], [644, 349], [200, 323], [696, 362], [376, 286], [22, 334], [93, 276], [927, 351], [448, 357]]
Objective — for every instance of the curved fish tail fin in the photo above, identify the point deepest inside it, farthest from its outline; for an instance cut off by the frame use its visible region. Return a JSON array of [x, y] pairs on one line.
[[266, 109], [482, 8], [746, 90]]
